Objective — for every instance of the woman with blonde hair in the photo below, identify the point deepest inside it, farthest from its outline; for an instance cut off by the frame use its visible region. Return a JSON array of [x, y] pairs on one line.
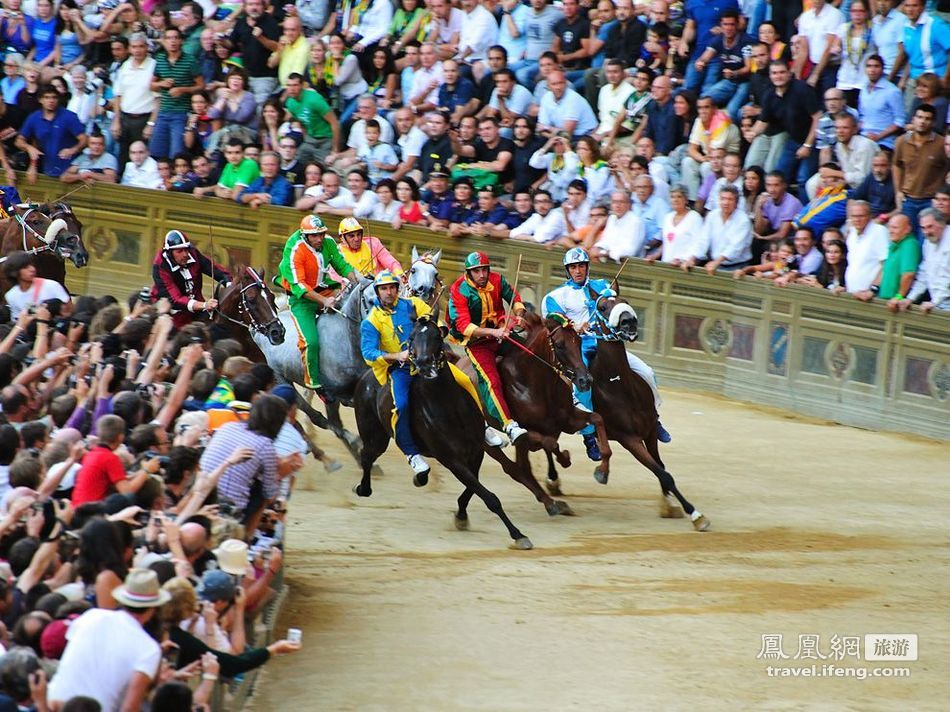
[[593, 169], [930, 90]]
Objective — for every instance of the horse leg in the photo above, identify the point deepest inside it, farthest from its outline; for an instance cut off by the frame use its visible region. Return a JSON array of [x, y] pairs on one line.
[[470, 481], [554, 483], [461, 514], [533, 442], [352, 441], [669, 507], [668, 487]]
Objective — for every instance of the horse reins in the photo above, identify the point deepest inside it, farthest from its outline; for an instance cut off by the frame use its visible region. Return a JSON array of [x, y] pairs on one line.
[[245, 308], [24, 227], [556, 367]]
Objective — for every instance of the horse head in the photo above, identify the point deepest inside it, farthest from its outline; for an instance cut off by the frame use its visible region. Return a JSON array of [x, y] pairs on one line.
[[423, 275], [248, 301], [426, 347], [358, 298], [64, 233], [614, 318], [566, 343]]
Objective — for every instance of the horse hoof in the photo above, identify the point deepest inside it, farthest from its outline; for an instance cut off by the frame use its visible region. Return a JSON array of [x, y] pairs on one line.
[[554, 488], [601, 476], [670, 509], [421, 479], [522, 543], [460, 523], [700, 523], [359, 492], [564, 509]]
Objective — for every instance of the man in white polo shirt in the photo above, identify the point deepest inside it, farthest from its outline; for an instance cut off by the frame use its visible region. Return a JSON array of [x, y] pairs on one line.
[[136, 105], [564, 111], [867, 247], [545, 225], [727, 234], [624, 234]]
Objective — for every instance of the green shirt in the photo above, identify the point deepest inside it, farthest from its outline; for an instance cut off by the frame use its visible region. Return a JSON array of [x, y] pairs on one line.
[[244, 173], [184, 72], [902, 258], [309, 110], [301, 265]]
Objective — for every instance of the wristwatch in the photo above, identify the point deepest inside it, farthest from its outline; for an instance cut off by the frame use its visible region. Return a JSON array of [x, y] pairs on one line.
[[149, 123]]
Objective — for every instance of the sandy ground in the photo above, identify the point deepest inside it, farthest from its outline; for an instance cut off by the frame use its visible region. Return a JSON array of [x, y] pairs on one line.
[[817, 529]]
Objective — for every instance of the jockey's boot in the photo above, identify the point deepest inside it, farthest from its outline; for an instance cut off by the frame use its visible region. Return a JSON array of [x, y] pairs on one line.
[[514, 431], [421, 469], [593, 449], [493, 438], [662, 434]]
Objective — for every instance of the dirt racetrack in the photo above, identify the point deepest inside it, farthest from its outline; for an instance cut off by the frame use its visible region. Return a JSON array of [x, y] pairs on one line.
[[817, 530]]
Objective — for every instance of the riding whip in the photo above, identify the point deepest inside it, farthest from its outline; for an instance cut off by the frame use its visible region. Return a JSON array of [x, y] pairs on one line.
[[514, 291], [66, 195], [613, 282], [538, 358]]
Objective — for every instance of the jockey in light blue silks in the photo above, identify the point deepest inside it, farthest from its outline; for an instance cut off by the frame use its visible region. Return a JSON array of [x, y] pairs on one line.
[[572, 300]]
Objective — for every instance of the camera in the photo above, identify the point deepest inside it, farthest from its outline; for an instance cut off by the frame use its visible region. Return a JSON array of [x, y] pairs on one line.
[[145, 295]]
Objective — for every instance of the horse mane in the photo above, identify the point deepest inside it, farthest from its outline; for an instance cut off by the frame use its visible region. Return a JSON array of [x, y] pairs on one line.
[[354, 297]]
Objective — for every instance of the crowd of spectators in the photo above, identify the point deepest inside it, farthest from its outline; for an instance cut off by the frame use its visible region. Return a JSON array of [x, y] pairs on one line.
[[144, 481], [564, 124]]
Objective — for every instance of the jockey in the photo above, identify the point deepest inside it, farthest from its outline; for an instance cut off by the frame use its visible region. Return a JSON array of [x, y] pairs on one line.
[[177, 276], [477, 319], [384, 343], [308, 254], [572, 301], [367, 255]]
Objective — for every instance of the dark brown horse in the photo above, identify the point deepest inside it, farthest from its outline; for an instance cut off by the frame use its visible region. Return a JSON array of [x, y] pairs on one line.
[[51, 232], [446, 423], [626, 402], [537, 382], [248, 308]]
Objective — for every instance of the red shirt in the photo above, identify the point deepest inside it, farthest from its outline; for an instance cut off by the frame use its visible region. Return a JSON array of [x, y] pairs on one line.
[[101, 469]]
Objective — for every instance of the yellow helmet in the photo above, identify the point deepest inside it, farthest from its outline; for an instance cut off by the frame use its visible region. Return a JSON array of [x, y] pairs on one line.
[[348, 225], [312, 224], [383, 278]]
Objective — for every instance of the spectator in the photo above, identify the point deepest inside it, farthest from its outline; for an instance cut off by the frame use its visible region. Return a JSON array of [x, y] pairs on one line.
[[545, 225], [142, 170], [920, 165], [94, 165], [509, 101], [57, 134], [408, 144], [270, 187], [831, 274], [702, 21], [880, 107], [272, 121], [765, 148], [456, 94], [731, 175], [681, 231], [364, 199], [563, 110], [650, 208], [378, 159], [807, 259], [424, 94], [929, 90], [28, 289], [900, 265], [134, 107], [773, 215], [825, 136], [617, 121], [711, 130], [524, 175], [497, 61], [411, 211], [102, 469], [622, 43], [512, 29], [561, 164], [366, 110], [199, 126], [239, 172], [853, 152], [234, 112], [924, 47], [727, 235], [576, 209], [624, 234], [931, 288], [853, 42], [312, 110], [386, 207], [539, 30], [290, 166], [482, 220], [255, 36], [327, 196], [867, 243], [479, 31], [828, 207], [176, 77], [343, 76], [437, 151], [817, 26], [730, 84], [491, 152], [437, 198], [383, 78], [878, 188], [571, 42], [205, 181], [293, 50], [887, 31]]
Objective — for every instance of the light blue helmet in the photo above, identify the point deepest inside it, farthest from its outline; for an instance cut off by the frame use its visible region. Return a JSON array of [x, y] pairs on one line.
[[576, 255]]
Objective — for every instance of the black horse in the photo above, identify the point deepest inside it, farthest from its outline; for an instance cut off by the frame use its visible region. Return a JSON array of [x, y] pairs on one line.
[[446, 423]]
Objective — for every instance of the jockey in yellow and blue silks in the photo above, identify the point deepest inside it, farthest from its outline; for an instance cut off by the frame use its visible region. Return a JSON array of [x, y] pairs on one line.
[[573, 301], [384, 344]]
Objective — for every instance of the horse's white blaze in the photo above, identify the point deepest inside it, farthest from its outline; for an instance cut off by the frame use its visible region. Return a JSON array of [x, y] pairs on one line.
[[618, 311]]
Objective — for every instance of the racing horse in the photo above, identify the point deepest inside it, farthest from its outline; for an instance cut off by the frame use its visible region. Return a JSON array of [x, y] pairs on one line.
[[537, 384], [625, 401], [446, 423], [50, 232], [422, 277], [249, 305]]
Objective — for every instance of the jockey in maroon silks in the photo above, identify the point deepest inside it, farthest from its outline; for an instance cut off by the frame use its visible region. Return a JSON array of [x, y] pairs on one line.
[[177, 273], [477, 319]]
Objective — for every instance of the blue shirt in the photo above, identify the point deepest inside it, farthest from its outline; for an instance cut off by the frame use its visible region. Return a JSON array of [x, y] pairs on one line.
[[52, 136], [44, 37], [881, 106], [652, 213], [11, 88], [599, 58], [440, 206], [495, 217], [705, 13], [279, 189], [927, 44], [460, 95], [515, 46], [887, 33], [664, 127]]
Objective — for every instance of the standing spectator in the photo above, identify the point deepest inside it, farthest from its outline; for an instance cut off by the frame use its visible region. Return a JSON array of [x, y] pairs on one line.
[[293, 50], [727, 235], [764, 149], [57, 133], [818, 26], [880, 107], [661, 124], [255, 36], [887, 31], [539, 29], [854, 42], [623, 42], [102, 469], [344, 76], [730, 85], [624, 235], [176, 77], [867, 247], [135, 106], [925, 47], [932, 284], [564, 110], [318, 119], [792, 105], [479, 32], [920, 165], [270, 188]]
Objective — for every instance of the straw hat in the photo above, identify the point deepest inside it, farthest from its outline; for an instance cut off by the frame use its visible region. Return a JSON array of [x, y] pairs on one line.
[[141, 590], [232, 556]]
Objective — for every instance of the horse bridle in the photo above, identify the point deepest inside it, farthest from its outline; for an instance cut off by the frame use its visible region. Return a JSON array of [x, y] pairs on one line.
[[244, 307], [425, 259], [439, 362], [44, 246], [604, 330]]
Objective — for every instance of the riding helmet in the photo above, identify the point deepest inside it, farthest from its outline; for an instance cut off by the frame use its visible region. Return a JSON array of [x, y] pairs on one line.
[[576, 256], [383, 278], [175, 239], [348, 225], [312, 225], [477, 259]]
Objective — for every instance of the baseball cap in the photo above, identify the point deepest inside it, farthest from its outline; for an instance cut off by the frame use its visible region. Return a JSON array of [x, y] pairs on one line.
[[216, 585]]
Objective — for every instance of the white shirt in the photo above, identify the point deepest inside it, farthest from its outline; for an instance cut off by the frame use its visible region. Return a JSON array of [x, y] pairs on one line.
[[683, 240], [454, 25], [866, 252], [855, 158], [357, 137], [90, 667], [374, 22], [479, 32], [542, 229], [817, 28], [133, 85], [36, 293], [411, 143], [363, 207], [571, 107], [933, 275], [420, 84], [144, 176], [610, 103], [730, 239], [712, 202], [622, 237]]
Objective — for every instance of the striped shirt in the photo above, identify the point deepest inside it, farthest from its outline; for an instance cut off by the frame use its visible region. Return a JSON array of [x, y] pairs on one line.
[[184, 71], [235, 484]]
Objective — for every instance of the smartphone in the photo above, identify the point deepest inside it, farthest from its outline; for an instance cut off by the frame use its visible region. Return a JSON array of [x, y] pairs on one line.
[[295, 635]]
